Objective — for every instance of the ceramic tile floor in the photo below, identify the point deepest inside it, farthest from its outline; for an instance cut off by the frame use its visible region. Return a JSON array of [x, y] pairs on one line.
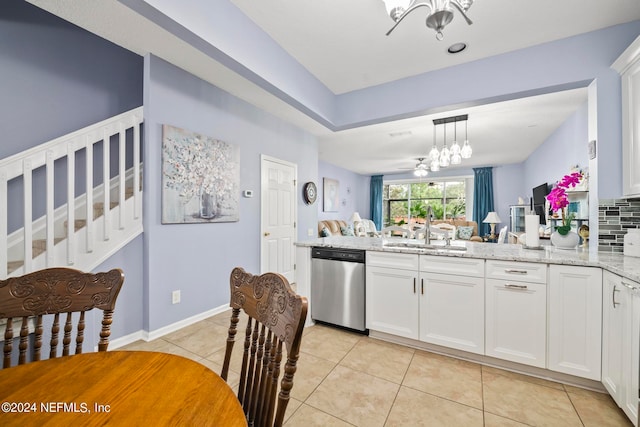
[[347, 379]]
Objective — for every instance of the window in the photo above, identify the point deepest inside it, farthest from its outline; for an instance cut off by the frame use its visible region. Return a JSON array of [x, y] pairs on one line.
[[407, 202]]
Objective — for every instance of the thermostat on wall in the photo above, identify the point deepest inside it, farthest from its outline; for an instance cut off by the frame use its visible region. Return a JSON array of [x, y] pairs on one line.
[[247, 193]]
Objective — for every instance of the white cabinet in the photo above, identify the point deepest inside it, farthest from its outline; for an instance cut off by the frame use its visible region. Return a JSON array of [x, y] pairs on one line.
[[621, 342], [452, 305], [515, 313], [631, 364], [575, 326], [628, 65], [612, 316], [392, 303]]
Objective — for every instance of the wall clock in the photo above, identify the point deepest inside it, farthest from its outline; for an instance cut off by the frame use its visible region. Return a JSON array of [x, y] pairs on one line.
[[310, 193]]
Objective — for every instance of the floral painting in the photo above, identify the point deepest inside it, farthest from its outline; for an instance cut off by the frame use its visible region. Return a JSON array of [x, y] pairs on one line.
[[200, 178]]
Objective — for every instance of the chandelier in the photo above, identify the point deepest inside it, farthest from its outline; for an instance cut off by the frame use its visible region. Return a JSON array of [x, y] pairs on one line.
[[442, 158], [440, 12]]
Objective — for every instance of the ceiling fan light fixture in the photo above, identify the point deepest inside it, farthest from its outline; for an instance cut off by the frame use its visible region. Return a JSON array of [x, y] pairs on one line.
[[421, 172], [395, 8], [440, 12]]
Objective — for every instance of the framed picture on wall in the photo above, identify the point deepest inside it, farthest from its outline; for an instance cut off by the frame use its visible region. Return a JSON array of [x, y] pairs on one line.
[[200, 178], [331, 195]]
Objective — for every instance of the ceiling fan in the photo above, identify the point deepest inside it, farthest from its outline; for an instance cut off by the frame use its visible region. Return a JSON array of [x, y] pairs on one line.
[[421, 169]]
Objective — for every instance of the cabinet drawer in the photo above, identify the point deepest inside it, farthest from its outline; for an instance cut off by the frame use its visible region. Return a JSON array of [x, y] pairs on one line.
[[516, 271], [452, 265], [393, 260]]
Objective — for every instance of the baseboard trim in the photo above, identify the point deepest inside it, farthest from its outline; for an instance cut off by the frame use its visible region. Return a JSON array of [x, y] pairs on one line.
[[493, 362], [125, 340], [158, 333]]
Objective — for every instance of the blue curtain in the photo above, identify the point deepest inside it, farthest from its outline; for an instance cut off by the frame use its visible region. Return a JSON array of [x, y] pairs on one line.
[[482, 197], [376, 201]]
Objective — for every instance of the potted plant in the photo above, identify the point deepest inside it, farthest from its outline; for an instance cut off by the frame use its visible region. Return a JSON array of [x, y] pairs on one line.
[[563, 237]]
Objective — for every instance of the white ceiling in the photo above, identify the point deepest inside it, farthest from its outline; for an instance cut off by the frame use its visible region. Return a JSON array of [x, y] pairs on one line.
[[343, 44]]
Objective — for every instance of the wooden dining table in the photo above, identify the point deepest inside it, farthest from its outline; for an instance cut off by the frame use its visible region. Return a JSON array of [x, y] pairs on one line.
[[119, 388]]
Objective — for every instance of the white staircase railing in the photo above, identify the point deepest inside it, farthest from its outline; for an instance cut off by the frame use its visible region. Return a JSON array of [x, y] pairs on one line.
[[85, 229]]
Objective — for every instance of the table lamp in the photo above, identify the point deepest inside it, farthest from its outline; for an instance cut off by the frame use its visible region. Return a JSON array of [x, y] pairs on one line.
[[355, 218], [492, 219]]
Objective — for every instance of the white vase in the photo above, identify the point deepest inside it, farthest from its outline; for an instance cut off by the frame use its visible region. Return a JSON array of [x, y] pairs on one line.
[[567, 241], [208, 205]]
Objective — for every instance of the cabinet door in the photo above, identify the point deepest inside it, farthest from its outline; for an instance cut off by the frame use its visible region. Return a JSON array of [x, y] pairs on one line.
[[452, 311], [612, 317], [575, 326], [392, 301], [631, 349], [631, 130], [516, 321]]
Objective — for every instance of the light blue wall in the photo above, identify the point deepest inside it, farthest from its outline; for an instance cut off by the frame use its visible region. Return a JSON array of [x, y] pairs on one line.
[[354, 193], [507, 187], [566, 147], [198, 258], [56, 78]]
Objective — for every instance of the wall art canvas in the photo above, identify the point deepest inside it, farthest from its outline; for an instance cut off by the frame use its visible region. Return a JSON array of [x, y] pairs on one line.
[[331, 195], [200, 178]]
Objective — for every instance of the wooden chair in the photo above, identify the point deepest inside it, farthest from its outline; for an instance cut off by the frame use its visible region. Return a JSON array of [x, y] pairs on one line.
[[276, 316], [55, 291]]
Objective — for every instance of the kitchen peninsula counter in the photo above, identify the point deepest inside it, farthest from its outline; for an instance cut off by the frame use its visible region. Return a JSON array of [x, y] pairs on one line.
[[625, 266]]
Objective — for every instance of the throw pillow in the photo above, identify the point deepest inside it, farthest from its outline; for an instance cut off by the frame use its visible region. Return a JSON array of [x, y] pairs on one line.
[[324, 232], [465, 232], [347, 231]]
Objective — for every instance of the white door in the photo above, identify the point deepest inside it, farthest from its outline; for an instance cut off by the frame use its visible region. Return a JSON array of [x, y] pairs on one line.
[[452, 311], [392, 301], [278, 228]]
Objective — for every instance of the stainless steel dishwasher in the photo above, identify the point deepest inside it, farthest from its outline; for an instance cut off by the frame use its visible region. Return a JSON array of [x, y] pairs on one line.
[[337, 287]]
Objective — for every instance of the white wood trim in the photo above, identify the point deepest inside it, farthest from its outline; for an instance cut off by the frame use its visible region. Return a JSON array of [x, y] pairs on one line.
[[50, 208], [71, 203], [28, 215], [152, 335], [630, 55]]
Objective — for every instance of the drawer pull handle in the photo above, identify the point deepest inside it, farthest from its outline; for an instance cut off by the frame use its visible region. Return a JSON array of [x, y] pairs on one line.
[[613, 296], [422, 286], [514, 271], [414, 285], [519, 287]]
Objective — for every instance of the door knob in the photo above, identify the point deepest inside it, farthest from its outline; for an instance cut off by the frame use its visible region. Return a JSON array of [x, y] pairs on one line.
[[266, 233]]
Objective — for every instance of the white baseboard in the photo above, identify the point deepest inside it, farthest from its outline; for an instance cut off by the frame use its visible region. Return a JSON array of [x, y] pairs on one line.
[[158, 333], [152, 335], [126, 340]]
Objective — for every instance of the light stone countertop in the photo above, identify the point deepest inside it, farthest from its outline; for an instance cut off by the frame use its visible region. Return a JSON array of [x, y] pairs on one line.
[[625, 266]]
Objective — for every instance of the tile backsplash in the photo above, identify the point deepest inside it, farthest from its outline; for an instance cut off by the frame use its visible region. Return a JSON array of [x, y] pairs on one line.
[[615, 217]]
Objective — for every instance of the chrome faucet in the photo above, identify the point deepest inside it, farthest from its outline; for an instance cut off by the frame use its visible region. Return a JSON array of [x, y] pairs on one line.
[[427, 226]]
